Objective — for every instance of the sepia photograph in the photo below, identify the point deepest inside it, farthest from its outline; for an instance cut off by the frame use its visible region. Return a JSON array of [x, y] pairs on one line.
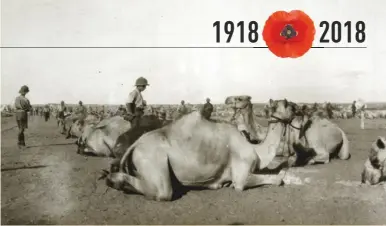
[[186, 112]]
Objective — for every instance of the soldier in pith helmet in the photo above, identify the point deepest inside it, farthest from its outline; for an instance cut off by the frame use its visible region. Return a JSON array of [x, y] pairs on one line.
[[22, 106], [136, 104]]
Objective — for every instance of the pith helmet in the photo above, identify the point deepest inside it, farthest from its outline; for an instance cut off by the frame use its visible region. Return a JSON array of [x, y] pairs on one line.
[[24, 89], [141, 81]]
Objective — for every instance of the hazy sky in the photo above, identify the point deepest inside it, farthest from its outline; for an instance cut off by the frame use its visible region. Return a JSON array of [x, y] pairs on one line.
[[108, 75]]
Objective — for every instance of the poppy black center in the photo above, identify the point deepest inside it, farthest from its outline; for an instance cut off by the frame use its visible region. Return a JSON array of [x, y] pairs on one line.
[[288, 32]]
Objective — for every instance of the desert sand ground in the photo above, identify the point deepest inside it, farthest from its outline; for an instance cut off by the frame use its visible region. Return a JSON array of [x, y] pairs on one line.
[[48, 183]]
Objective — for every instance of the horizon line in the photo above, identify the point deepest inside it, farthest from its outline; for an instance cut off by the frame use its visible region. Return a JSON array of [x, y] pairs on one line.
[[216, 103]]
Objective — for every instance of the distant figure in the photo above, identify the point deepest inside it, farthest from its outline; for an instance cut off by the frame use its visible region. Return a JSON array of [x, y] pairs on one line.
[[305, 109], [162, 114], [22, 106], [80, 114], [46, 112], [361, 107], [182, 110], [315, 107], [207, 109], [61, 115], [41, 112], [329, 110], [266, 111], [81, 110], [135, 105], [121, 111], [354, 109]]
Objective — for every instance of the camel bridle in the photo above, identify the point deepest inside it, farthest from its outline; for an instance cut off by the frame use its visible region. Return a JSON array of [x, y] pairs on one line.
[[285, 122]]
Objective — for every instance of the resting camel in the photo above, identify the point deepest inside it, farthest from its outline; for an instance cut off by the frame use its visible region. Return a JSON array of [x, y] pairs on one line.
[[146, 124], [99, 138], [77, 127], [108, 137], [314, 139], [77, 123], [197, 152], [375, 166]]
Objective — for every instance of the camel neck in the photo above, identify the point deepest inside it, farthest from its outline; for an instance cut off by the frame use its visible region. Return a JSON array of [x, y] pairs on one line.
[[267, 149]]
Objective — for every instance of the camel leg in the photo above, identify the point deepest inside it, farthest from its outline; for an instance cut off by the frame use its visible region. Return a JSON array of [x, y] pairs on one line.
[[255, 180], [123, 181], [243, 179], [153, 169], [322, 157], [225, 177]]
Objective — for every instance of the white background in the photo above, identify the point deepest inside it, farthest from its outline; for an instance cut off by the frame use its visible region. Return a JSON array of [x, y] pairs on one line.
[[108, 75]]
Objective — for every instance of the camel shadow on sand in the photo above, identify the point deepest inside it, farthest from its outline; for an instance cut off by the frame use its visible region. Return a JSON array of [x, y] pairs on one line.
[[23, 167], [48, 145]]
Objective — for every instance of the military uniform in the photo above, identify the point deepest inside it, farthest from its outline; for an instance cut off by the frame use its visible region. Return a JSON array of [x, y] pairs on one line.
[[46, 111], [136, 104], [329, 110], [61, 110], [80, 112], [182, 110], [22, 106], [207, 110], [353, 109]]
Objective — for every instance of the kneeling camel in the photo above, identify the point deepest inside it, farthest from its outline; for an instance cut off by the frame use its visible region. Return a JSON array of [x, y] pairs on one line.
[[314, 139], [201, 153], [375, 166]]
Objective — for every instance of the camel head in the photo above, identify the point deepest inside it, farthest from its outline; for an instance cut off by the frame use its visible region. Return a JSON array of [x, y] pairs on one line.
[[243, 116], [377, 154], [283, 110]]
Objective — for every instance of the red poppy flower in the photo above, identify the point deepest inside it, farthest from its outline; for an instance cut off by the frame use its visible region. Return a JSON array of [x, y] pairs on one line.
[[289, 34]]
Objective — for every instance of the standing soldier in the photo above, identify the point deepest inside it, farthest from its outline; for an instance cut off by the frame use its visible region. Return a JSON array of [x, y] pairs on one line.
[[182, 110], [354, 109], [61, 111], [22, 106], [329, 110], [46, 112], [41, 112], [80, 114], [315, 107], [266, 111], [81, 110], [207, 109], [135, 104]]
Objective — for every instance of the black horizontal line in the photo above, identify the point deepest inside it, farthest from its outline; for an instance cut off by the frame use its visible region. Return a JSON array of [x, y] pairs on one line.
[[339, 47], [130, 47], [169, 47]]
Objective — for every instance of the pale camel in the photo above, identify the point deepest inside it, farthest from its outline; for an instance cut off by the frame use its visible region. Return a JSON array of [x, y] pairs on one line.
[[100, 138], [76, 127], [197, 152], [108, 137], [248, 124], [375, 166], [315, 139]]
